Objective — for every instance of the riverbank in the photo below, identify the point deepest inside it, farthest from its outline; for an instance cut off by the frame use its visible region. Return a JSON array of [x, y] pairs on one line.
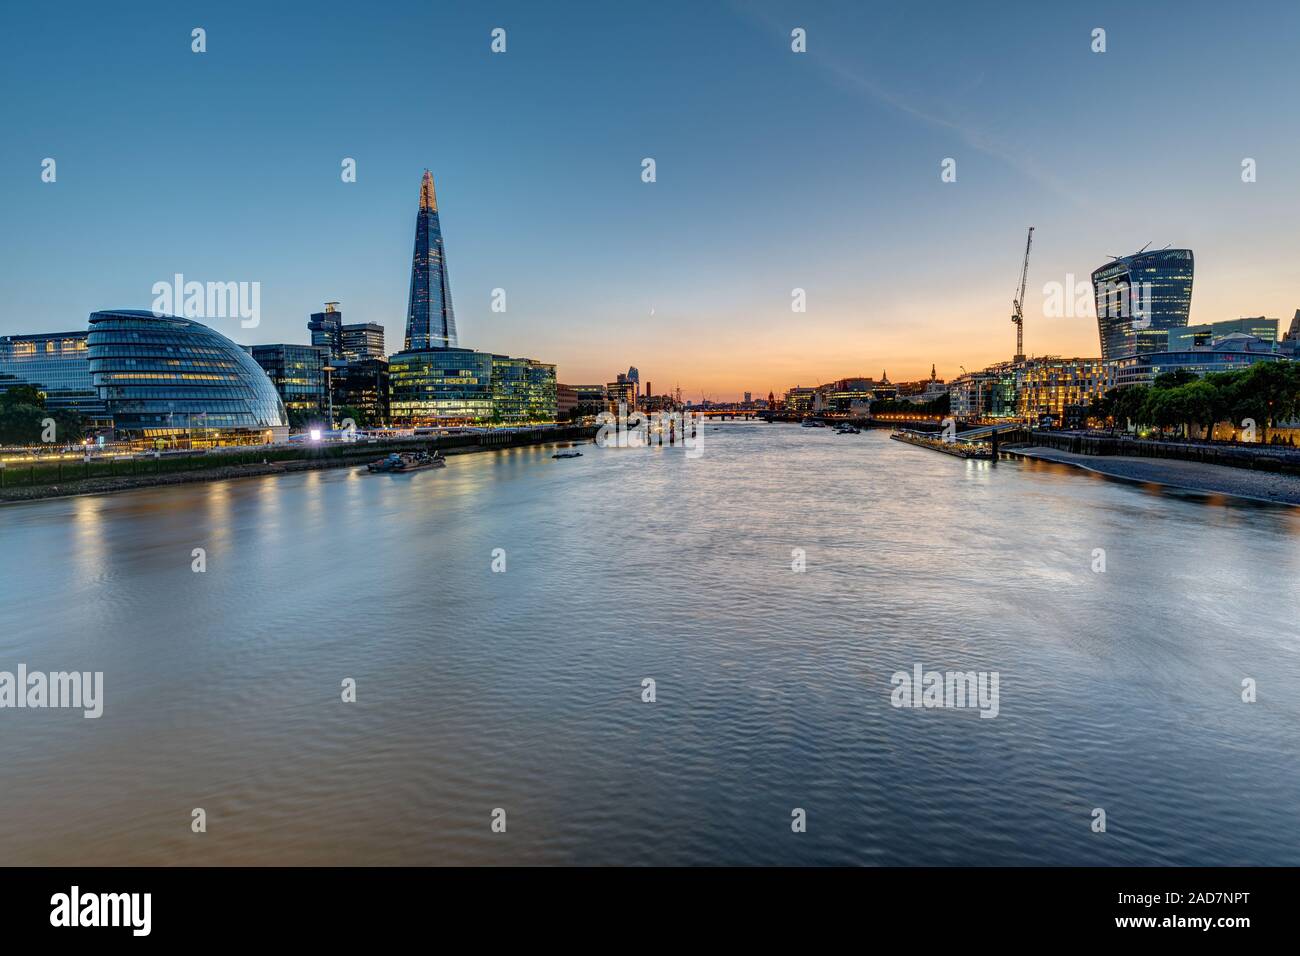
[[1195, 476], [211, 468]]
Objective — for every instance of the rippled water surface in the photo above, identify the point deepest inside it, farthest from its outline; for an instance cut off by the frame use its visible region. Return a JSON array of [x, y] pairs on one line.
[[522, 690]]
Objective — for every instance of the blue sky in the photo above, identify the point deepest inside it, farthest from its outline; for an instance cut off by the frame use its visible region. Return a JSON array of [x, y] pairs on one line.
[[775, 170]]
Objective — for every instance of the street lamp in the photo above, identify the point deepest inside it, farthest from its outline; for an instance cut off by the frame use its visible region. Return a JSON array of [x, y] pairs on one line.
[[329, 390]]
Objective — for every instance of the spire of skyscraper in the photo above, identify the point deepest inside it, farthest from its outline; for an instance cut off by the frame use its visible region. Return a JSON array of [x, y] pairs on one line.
[[428, 199], [430, 319]]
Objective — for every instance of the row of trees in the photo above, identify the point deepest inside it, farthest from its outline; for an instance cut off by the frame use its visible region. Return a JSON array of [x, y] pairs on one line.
[[1266, 393], [362, 418], [24, 419]]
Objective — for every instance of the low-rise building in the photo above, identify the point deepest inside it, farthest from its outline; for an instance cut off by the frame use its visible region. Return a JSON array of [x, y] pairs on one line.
[[458, 386], [57, 364], [1226, 354]]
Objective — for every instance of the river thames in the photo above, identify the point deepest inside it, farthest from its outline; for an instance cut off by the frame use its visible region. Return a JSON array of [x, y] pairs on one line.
[[522, 690]]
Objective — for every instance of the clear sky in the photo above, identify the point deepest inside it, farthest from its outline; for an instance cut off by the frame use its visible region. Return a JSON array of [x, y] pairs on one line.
[[775, 171]]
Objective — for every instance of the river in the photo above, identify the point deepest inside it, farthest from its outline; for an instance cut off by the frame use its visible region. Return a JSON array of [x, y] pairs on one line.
[[522, 689]]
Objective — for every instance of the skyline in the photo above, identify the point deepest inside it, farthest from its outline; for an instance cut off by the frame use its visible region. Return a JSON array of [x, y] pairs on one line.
[[775, 171]]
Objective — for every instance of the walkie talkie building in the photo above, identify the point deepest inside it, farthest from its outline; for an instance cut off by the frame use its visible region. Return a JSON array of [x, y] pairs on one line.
[[1140, 298]]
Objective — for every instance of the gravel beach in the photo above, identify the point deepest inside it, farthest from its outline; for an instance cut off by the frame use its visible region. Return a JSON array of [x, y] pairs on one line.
[[1191, 475]]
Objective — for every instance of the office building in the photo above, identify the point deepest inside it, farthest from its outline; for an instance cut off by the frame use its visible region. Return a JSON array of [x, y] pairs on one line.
[[799, 400], [621, 392], [298, 374], [326, 330], [362, 341], [440, 386], [1227, 353], [173, 380], [1200, 336], [57, 364], [364, 386], [523, 391], [464, 387], [1140, 296]]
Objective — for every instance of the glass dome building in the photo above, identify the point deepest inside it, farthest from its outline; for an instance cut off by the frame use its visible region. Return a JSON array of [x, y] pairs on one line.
[[170, 378]]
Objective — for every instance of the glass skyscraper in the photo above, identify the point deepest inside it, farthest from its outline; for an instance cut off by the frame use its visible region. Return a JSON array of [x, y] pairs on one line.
[[1139, 297], [430, 321]]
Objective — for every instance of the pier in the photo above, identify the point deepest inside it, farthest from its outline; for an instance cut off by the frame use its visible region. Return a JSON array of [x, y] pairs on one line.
[[980, 443]]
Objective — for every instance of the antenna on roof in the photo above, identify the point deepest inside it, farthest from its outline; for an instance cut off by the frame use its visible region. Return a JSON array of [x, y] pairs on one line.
[[1142, 250]]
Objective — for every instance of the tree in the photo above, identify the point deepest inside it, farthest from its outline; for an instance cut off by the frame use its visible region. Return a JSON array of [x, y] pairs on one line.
[[23, 418], [1177, 377], [360, 417], [23, 395], [1199, 401]]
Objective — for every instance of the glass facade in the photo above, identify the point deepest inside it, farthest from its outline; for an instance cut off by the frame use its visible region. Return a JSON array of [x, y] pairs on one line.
[[298, 374], [1200, 336], [1150, 292], [57, 364], [171, 378], [440, 387], [363, 385], [464, 387], [1236, 351], [430, 320], [523, 391]]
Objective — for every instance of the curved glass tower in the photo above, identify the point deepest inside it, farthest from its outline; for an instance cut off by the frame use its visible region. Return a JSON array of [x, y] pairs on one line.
[[1140, 298], [430, 320], [173, 378]]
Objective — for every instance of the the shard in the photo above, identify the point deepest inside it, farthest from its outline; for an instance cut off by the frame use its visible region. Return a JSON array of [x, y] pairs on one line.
[[430, 320]]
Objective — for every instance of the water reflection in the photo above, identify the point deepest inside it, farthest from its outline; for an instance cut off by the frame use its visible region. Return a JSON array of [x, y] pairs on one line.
[[523, 689]]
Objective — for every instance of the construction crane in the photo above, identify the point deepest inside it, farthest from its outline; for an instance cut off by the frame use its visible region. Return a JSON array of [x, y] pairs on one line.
[[1017, 305]]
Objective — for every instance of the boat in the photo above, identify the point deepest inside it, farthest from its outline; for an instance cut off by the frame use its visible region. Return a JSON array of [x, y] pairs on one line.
[[398, 464], [847, 429], [567, 454], [812, 423], [420, 461]]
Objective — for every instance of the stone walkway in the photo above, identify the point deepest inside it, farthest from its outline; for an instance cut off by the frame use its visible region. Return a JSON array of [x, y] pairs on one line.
[[1191, 475]]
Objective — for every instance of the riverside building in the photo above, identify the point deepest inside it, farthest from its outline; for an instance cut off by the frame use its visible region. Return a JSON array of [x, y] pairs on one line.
[[168, 379], [56, 363]]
